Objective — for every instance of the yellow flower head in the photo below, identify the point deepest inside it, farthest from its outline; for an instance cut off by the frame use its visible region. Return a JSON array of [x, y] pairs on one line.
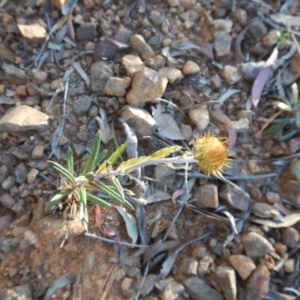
[[211, 153]]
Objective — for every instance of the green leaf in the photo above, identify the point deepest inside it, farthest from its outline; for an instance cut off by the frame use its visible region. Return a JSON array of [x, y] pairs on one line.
[[112, 159], [70, 162], [130, 223], [277, 127], [93, 155], [97, 200], [162, 153], [130, 162], [288, 136], [118, 187], [108, 190], [295, 94], [100, 157], [57, 198], [62, 170], [84, 178], [297, 119], [83, 213]]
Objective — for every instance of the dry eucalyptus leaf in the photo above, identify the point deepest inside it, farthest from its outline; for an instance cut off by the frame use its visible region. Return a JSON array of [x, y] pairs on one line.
[[167, 126], [286, 221], [104, 127]]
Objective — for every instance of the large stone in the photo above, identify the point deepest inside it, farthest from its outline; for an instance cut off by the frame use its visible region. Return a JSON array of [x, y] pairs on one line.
[[200, 117], [225, 277], [146, 85], [235, 197], [14, 74], [258, 284], [199, 290], [23, 118], [222, 43], [207, 196], [33, 32], [117, 86], [242, 264], [139, 44], [101, 71], [131, 64], [256, 245]]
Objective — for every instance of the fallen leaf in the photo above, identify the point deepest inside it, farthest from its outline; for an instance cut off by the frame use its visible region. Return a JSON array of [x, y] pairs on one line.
[[286, 221], [167, 126], [130, 223]]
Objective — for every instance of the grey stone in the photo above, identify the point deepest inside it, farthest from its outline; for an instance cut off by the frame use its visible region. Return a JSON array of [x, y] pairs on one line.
[[3, 173], [14, 74], [21, 292], [7, 200], [23, 118], [20, 173], [8, 182], [155, 17], [256, 245], [235, 197], [222, 43], [156, 63], [4, 222], [101, 71], [199, 290], [82, 105], [241, 125], [87, 31], [223, 25], [264, 210], [257, 29]]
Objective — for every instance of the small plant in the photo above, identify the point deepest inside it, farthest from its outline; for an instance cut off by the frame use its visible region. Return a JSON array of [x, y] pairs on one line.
[[209, 152], [292, 108]]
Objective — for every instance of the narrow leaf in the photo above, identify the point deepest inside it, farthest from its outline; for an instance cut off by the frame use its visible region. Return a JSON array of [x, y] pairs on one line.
[[162, 153], [93, 155], [83, 207], [62, 171], [84, 178], [96, 200], [118, 187], [130, 224], [70, 162], [277, 127], [130, 162], [113, 158], [100, 157], [57, 198], [286, 221]]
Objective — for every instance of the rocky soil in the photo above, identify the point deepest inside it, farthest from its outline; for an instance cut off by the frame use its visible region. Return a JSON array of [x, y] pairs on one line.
[[170, 71]]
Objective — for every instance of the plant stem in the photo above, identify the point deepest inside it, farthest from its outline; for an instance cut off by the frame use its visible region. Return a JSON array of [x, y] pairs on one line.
[[170, 160]]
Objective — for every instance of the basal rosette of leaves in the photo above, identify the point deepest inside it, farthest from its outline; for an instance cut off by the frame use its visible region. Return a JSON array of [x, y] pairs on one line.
[[98, 176]]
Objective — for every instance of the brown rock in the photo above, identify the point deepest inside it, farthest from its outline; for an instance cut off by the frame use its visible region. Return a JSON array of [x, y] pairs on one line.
[[156, 63], [258, 284], [34, 32], [172, 74], [40, 77], [207, 196], [271, 38], [139, 44], [38, 152], [117, 86], [295, 64], [146, 85], [231, 74], [6, 54], [199, 116], [21, 90], [290, 237], [242, 264], [31, 175], [256, 245], [225, 277], [190, 68], [131, 64]]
